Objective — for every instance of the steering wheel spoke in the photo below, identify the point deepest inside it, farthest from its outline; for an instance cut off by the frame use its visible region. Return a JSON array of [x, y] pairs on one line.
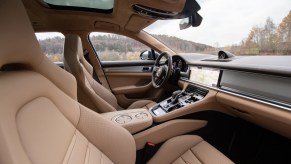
[[156, 68], [158, 81]]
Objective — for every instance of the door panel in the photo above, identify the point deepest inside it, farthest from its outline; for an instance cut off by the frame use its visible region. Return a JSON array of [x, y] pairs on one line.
[[131, 81], [126, 80]]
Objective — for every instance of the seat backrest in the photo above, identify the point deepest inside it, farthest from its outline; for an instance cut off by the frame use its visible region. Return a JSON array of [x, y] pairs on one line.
[[14, 49], [90, 92], [40, 119]]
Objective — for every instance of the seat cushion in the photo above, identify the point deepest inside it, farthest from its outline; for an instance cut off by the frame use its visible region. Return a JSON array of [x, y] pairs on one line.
[[147, 104], [189, 149]]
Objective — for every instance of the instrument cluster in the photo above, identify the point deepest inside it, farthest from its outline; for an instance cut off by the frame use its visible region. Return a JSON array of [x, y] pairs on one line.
[[179, 63]]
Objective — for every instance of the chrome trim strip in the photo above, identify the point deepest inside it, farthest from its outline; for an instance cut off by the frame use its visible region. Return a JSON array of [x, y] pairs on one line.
[[243, 96]]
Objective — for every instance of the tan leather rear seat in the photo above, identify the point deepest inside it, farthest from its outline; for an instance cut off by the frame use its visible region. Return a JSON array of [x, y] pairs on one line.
[[42, 122]]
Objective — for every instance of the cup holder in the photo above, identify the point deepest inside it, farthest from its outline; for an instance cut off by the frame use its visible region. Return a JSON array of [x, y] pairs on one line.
[[141, 115], [123, 119], [126, 118]]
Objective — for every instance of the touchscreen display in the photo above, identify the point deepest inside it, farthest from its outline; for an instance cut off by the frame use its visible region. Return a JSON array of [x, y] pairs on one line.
[[203, 75]]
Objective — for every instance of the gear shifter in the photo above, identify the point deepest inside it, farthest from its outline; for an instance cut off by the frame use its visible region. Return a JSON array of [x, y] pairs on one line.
[[175, 96]]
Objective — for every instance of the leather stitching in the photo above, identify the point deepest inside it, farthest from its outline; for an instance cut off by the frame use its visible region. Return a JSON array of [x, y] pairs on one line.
[[101, 158], [182, 159], [87, 155], [73, 141], [195, 154]]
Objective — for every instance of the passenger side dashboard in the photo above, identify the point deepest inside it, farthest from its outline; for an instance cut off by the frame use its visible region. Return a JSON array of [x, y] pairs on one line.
[[258, 97]]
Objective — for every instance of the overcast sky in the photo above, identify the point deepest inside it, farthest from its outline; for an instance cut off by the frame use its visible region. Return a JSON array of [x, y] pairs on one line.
[[45, 35], [226, 21]]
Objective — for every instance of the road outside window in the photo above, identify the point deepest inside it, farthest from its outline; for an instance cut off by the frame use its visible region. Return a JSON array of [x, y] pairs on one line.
[[113, 47]]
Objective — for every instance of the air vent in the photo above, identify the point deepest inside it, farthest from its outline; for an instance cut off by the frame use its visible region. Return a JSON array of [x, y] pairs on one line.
[[197, 90], [191, 88]]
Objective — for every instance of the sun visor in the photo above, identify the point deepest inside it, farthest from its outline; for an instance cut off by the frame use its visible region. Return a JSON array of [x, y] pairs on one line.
[[106, 26], [137, 23]]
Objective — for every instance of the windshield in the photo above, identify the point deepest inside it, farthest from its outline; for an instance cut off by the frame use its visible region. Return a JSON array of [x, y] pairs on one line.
[[248, 27]]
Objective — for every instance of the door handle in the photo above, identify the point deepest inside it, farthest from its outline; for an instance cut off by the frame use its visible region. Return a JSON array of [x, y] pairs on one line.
[[147, 69]]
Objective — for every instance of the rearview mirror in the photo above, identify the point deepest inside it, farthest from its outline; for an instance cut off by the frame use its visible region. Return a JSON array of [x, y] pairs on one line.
[[185, 23], [194, 21]]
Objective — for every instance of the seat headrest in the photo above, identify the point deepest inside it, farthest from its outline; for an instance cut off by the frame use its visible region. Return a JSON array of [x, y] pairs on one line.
[[19, 46], [73, 44], [18, 43]]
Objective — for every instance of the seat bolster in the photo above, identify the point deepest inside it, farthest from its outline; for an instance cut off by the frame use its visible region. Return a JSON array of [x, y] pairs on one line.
[[178, 148], [174, 148], [63, 80], [112, 140], [142, 104], [103, 93]]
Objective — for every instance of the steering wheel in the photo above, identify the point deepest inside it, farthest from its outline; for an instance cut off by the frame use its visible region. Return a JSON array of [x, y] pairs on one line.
[[161, 72]]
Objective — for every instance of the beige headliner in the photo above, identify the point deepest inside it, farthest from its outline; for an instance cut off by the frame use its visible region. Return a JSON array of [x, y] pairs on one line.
[[123, 20]]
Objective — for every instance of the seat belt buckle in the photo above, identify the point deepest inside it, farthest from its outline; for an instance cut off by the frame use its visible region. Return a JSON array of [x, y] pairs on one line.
[[149, 151]]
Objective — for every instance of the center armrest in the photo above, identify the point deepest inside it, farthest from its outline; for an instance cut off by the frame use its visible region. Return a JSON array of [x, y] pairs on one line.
[[134, 120]]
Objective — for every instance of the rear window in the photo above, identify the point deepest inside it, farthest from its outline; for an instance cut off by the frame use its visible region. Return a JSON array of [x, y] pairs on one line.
[[52, 45]]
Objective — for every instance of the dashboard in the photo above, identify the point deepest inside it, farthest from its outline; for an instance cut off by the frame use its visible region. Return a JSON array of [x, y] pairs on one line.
[[254, 88], [255, 85]]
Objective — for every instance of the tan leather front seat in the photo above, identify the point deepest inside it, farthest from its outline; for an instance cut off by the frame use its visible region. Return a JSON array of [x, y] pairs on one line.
[[188, 149], [90, 93], [40, 120]]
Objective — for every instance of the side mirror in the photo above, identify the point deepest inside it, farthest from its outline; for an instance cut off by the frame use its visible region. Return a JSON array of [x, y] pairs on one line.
[[146, 55], [194, 21]]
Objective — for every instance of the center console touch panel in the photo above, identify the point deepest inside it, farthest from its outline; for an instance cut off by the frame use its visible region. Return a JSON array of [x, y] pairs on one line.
[[180, 99]]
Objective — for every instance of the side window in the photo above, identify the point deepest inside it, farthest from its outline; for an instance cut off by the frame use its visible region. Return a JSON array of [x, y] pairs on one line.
[[113, 47], [52, 45]]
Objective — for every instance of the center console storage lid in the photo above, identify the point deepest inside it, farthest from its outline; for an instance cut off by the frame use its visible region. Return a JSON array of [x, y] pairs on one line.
[[134, 120]]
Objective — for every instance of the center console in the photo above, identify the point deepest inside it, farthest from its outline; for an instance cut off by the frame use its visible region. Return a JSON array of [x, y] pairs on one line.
[[179, 99], [139, 122]]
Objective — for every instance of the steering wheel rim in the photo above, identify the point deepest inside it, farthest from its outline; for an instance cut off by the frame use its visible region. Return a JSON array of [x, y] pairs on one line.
[[161, 73]]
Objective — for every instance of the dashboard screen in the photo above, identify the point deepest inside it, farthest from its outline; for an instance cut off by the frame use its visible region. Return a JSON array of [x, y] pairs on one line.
[[205, 76]]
